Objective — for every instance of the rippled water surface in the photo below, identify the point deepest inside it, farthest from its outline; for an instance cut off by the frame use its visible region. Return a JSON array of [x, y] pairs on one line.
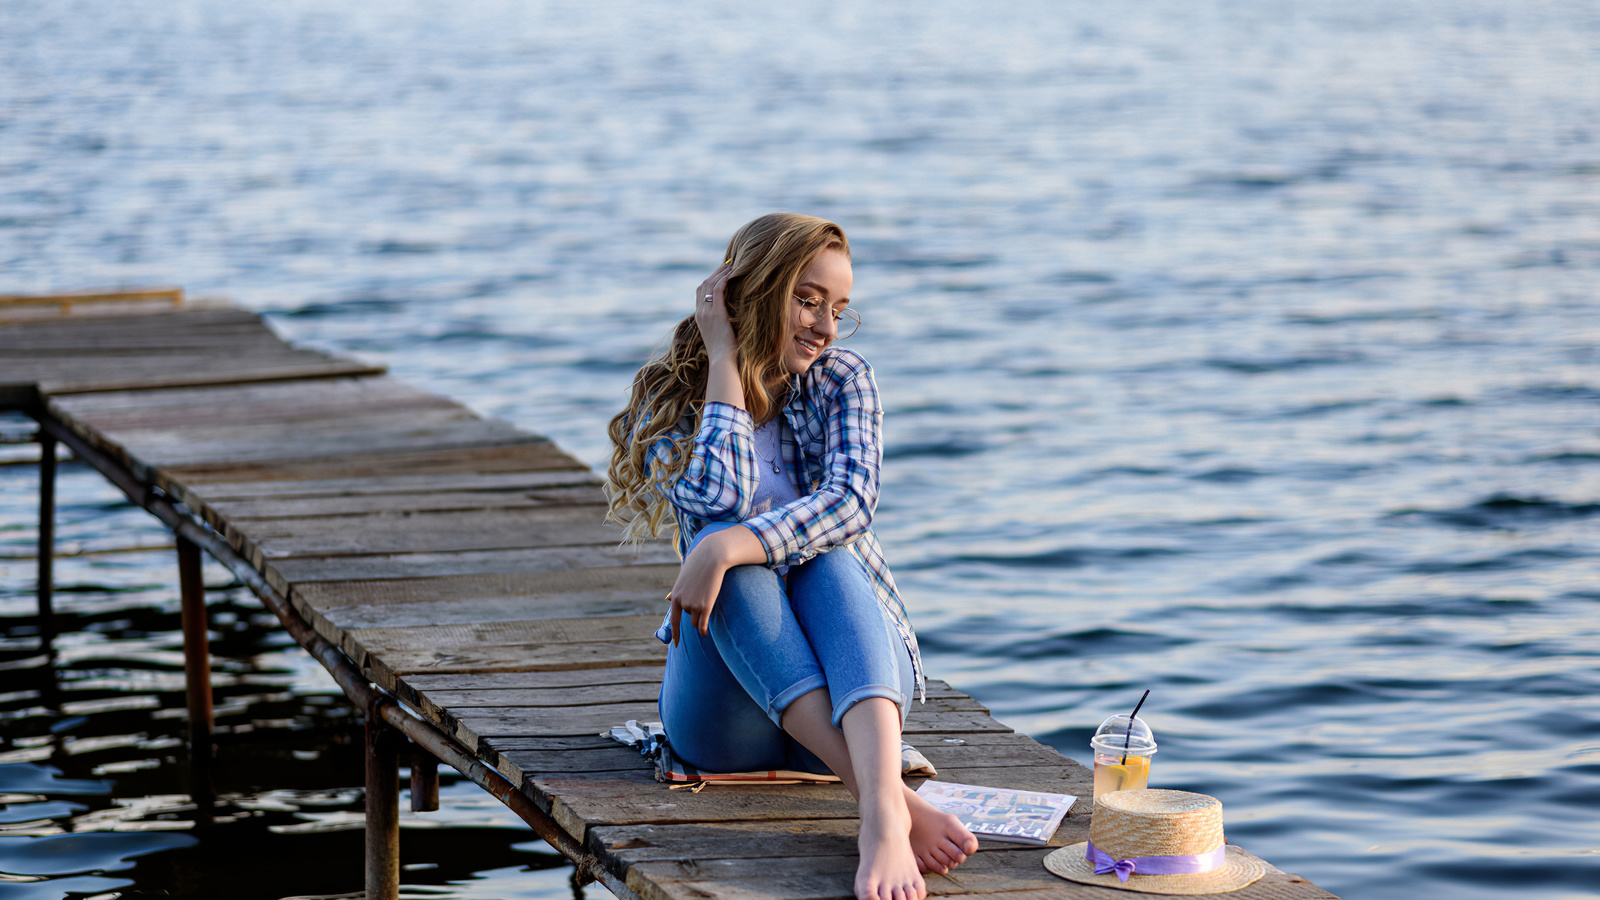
[[1245, 351]]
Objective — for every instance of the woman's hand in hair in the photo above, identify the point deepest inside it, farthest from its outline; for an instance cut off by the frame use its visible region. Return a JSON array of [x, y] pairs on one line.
[[700, 577], [722, 351], [712, 317]]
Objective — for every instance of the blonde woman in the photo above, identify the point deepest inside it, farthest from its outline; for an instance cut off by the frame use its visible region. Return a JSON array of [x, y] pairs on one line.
[[758, 441]]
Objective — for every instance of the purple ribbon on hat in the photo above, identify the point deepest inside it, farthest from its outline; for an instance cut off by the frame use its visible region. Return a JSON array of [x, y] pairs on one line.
[[1154, 865]]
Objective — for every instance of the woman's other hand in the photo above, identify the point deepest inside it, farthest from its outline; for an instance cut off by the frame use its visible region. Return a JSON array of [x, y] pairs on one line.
[[711, 316], [700, 577]]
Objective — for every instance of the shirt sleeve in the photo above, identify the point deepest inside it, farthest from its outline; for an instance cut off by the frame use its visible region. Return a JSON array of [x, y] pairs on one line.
[[720, 479], [840, 509]]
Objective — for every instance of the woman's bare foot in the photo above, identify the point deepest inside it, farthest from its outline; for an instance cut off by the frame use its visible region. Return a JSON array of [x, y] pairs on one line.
[[938, 840], [888, 869]]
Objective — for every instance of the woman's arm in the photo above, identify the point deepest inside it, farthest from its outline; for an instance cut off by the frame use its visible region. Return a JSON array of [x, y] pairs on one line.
[[709, 477], [700, 577], [719, 478], [711, 317]]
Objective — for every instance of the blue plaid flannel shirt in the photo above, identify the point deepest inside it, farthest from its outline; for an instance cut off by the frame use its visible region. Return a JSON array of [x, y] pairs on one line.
[[835, 417]]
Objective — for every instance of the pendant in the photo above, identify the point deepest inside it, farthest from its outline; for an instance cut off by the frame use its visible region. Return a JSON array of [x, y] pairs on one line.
[[775, 469]]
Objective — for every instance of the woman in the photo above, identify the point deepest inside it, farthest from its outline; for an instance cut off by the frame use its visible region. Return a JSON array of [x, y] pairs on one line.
[[788, 644]]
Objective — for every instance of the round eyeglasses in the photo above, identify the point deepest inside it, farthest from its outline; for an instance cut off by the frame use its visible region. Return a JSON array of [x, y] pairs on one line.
[[847, 319]]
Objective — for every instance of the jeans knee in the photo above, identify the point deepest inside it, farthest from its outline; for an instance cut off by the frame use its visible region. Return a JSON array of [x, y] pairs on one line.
[[750, 599]]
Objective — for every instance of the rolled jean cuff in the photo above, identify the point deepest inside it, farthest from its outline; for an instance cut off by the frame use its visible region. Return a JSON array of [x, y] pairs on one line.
[[866, 691], [792, 693]]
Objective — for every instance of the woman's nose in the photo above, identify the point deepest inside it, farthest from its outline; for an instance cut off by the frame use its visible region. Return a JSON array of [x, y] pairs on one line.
[[825, 324]]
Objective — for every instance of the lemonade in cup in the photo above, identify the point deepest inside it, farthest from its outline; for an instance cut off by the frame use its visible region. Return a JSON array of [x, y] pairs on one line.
[[1122, 746]]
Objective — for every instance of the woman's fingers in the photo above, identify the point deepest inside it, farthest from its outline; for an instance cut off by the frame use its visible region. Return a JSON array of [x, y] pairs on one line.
[[699, 616], [712, 287]]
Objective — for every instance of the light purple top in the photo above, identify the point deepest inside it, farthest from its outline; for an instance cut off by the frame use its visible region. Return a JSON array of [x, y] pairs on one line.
[[775, 487]]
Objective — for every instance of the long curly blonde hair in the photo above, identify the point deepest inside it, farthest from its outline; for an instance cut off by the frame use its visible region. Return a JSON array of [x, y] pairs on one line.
[[768, 256]]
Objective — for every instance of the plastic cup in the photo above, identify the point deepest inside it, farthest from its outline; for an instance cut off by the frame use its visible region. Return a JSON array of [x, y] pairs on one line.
[[1122, 755]]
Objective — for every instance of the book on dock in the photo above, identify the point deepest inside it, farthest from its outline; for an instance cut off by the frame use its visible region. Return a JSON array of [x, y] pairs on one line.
[[1000, 814]]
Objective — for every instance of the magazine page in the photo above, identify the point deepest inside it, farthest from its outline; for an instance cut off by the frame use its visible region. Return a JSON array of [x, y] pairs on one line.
[[1000, 814]]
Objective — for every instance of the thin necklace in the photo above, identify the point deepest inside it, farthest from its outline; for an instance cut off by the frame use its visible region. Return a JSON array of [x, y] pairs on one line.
[[771, 462]]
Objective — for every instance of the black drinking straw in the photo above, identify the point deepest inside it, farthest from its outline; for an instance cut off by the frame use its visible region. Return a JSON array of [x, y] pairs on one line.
[[1127, 736]]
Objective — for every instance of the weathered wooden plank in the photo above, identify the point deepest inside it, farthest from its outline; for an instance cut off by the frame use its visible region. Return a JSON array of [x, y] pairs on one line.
[[1060, 776], [458, 501], [246, 421], [422, 429], [172, 296], [139, 331], [283, 573], [634, 601], [108, 348], [535, 680], [462, 701], [950, 753], [134, 332], [422, 532], [925, 720], [615, 758], [530, 455], [20, 335], [404, 485], [507, 654], [80, 311], [241, 404], [527, 658], [535, 742], [226, 356], [539, 589], [621, 846], [443, 642], [636, 798], [66, 375]]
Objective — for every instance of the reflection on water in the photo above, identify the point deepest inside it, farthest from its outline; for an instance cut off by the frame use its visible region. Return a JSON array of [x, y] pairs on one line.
[[1241, 351]]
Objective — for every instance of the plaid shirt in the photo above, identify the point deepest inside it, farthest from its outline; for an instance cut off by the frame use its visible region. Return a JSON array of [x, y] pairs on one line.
[[835, 416]]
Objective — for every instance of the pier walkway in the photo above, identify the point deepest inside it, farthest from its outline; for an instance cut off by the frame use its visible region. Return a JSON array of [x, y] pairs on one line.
[[453, 575]]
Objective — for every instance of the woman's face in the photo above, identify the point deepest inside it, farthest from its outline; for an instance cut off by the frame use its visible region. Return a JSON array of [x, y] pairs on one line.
[[820, 296]]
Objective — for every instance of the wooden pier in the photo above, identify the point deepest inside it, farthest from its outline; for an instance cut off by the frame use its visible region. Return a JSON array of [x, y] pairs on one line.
[[453, 575]]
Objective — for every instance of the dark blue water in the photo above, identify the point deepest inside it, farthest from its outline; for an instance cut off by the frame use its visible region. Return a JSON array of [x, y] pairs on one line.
[[1241, 351]]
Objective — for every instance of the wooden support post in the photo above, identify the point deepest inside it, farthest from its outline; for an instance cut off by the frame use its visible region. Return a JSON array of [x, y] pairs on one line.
[[383, 805], [424, 781], [47, 530], [197, 675]]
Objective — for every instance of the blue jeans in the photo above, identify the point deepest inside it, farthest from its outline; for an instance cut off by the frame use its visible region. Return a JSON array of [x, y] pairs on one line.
[[772, 640]]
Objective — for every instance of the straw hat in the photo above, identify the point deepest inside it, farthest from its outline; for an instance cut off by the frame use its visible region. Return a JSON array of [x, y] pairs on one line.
[[1130, 825]]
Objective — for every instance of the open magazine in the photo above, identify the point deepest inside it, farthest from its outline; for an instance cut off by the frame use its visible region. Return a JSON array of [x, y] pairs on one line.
[[1000, 814]]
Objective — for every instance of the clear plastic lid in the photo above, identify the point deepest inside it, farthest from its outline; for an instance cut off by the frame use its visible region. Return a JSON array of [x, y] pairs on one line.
[[1115, 736]]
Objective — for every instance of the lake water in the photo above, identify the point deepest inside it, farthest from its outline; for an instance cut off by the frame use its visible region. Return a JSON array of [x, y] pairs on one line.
[[1242, 351]]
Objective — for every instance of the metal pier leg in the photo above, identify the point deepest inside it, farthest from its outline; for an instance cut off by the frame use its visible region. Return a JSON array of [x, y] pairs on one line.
[[424, 781], [197, 674], [47, 529], [383, 806]]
